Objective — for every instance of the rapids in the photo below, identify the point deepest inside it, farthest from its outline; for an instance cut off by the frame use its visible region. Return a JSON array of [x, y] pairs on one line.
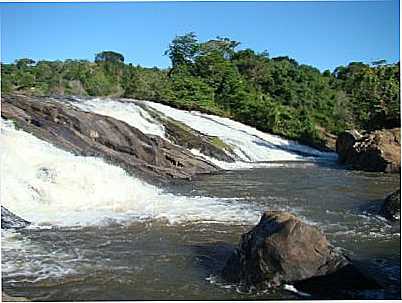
[[99, 233], [251, 147], [46, 185]]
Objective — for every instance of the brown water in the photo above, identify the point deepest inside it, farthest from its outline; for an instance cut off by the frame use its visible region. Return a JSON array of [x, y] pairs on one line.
[[155, 260]]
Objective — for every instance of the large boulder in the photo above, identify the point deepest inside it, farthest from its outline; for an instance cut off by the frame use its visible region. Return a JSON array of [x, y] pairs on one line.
[[391, 208], [345, 143], [283, 249], [11, 221], [378, 151]]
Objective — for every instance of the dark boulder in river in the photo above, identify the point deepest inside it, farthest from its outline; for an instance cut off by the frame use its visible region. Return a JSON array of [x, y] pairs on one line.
[[89, 134], [283, 249], [391, 208], [378, 151], [11, 221]]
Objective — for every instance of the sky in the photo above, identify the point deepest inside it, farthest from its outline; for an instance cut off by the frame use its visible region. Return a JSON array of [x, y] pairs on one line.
[[321, 34]]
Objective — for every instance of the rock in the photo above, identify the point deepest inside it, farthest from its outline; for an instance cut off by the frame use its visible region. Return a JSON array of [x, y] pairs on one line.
[[283, 249], [391, 208], [88, 134], [338, 284], [378, 151], [8, 298], [345, 143], [180, 134], [9, 220]]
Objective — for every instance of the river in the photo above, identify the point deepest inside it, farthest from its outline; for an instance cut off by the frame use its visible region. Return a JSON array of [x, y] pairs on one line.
[[165, 254]]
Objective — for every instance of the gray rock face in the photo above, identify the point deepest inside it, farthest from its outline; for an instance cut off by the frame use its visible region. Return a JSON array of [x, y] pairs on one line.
[[88, 134], [11, 221], [189, 138], [281, 248], [378, 151], [391, 209], [344, 145]]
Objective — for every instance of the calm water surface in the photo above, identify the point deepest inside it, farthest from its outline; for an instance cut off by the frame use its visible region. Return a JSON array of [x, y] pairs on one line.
[[156, 260]]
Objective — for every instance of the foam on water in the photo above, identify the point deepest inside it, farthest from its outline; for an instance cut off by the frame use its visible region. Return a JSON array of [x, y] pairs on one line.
[[128, 112], [248, 143], [49, 186], [250, 146], [25, 261]]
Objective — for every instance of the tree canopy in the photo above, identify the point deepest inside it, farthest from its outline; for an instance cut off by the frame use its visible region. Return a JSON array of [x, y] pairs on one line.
[[109, 56], [277, 95]]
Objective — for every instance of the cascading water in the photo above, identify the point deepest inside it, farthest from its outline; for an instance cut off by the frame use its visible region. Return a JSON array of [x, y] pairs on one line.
[[249, 145], [128, 112], [105, 231], [46, 185]]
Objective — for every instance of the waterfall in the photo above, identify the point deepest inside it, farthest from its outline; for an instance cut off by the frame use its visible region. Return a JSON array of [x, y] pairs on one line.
[[49, 186], [251, 147]]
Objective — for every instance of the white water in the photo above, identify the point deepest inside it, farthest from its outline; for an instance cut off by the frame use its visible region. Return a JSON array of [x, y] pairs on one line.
[[249, 145], [128, 112], [49, 186]]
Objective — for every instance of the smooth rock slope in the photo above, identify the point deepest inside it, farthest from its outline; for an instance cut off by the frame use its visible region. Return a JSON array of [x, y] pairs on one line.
[[90, 134]]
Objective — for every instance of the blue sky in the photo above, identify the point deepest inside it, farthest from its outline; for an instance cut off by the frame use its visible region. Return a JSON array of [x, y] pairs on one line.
[[322, 34]]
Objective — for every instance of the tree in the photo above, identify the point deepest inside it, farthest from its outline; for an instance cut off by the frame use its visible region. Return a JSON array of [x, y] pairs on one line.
[[224, 46], [22, 63], [379, 62], [109, 56], [183, 49]]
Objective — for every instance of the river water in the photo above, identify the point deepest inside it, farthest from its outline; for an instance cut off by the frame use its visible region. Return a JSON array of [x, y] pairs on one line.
[[158, 258]]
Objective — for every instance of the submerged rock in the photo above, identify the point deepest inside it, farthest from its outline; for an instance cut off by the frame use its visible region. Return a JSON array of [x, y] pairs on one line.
[[391, 208], [9, 220], [89, 134], [378, 151], [283, 249]]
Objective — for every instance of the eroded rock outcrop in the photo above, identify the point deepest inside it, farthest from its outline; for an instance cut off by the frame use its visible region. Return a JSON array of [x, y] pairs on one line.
[[391, 208], [378, 151], [283, 249], [89, 134], [180, 134], [12, 221]]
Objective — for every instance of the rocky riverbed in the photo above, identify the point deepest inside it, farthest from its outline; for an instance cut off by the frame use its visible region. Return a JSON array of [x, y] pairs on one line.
[[124, 198]]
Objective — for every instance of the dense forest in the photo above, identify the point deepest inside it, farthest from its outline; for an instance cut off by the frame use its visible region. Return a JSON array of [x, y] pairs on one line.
[[276, 95]]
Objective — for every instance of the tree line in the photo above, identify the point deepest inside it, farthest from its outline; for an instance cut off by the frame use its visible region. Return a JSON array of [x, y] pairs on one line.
[[276, 95]]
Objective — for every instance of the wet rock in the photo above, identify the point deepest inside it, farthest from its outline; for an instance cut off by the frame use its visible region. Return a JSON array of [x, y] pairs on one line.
[[391, 208], [88, 134], [283, 249], [180, 134], [7, 298], [11, 221], [340, 284], [378, 151], [345, 143]]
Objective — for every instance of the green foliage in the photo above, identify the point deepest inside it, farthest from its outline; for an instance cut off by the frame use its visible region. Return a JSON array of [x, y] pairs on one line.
[[276, 95], [182, 49], [374, 93], [109, 56]]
